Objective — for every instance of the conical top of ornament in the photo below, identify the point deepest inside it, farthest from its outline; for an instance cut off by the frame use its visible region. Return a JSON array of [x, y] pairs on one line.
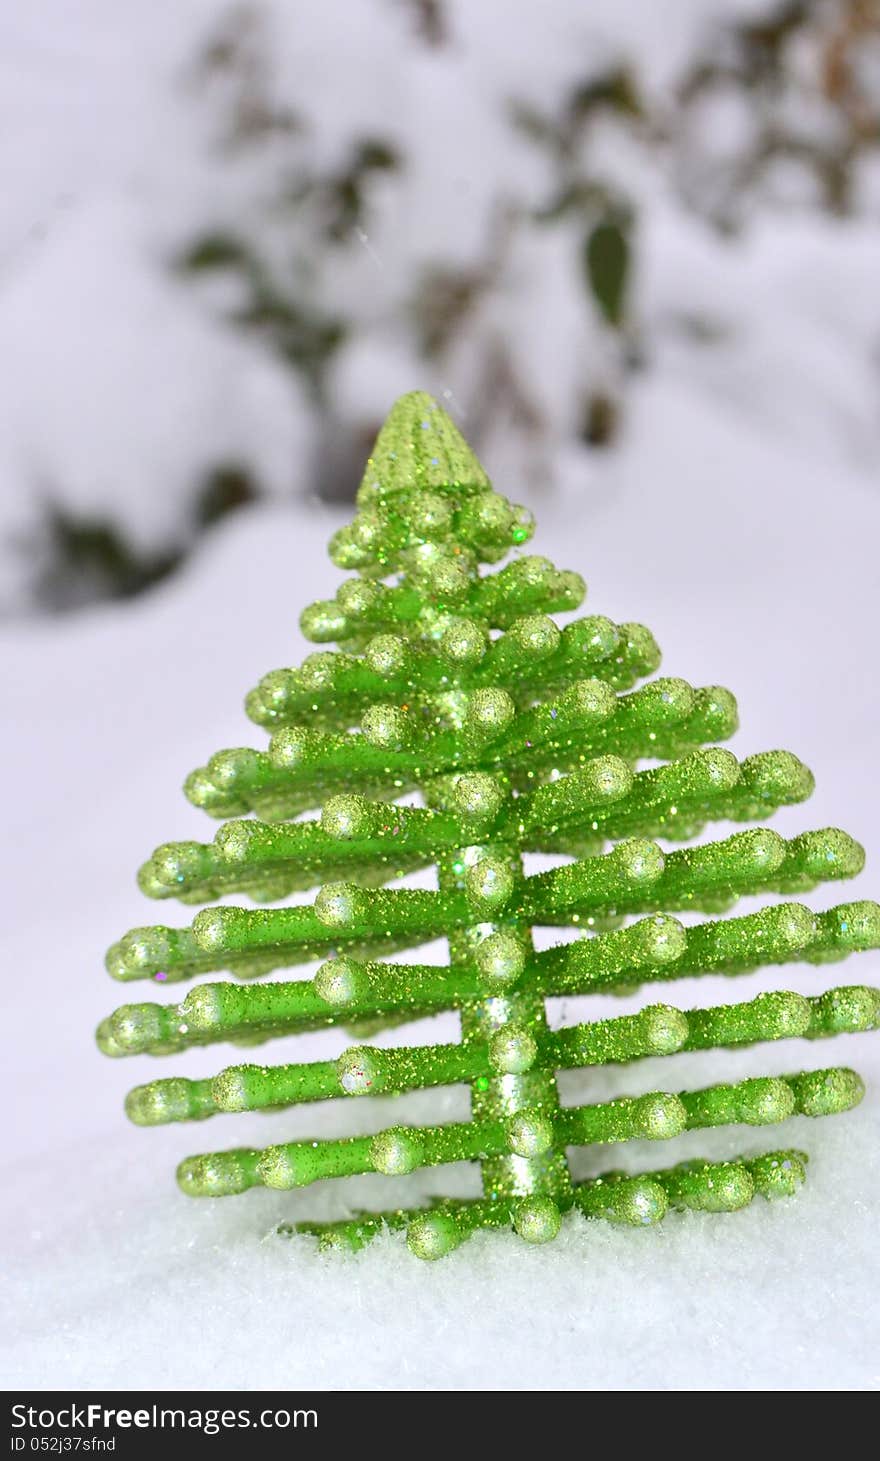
[[420, 449]]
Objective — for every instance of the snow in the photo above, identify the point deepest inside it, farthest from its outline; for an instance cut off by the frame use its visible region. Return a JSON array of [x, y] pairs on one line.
[[122, 143], [150, 440], [753, 560], [738, 515]]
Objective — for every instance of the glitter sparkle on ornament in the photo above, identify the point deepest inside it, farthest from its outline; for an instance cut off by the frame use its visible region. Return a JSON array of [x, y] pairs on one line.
[[453, 681]]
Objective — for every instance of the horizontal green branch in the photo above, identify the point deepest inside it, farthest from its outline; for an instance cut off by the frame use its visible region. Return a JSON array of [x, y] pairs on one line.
[[364, 1070], [378, 839], [663, 719], [396, 749], [655, 949], [212, 1012], [375, 841], [362, 607], [486, 525], [669, 800], [660, 949], [633, 877], [634, 1201], [372, 841], [400, 1150], [332, 688], [529, 585], [302, 768], [637, 877], [252, 942], [535, 651]]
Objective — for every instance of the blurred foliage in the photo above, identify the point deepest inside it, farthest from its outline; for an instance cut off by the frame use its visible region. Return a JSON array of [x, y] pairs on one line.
[[273, 306], [443, 298], [82, 560], [225, 490], [759, 58], [301, 335], [600, 419], [277, 255], [756, 56], [431, 20], [607, 263]]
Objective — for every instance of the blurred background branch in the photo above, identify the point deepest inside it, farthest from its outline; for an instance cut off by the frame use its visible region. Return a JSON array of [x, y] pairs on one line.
[[232, 235]]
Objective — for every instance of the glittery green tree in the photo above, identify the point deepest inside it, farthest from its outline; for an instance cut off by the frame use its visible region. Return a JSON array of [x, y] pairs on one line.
[[459, 726]]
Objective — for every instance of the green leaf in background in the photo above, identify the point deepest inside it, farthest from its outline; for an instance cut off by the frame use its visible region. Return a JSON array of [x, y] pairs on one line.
[[215, 251], [606, 262]]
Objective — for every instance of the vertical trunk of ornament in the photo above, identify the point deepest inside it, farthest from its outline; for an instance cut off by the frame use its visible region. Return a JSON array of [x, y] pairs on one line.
[[503, 1095]]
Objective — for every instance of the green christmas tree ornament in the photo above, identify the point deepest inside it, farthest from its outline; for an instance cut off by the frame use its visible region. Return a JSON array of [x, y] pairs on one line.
[[458, 727]]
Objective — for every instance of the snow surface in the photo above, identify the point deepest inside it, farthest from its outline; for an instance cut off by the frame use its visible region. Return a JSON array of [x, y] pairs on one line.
[[753, 558]]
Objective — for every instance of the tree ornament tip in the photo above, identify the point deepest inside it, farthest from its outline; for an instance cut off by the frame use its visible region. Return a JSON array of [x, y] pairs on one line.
[[420, 449]]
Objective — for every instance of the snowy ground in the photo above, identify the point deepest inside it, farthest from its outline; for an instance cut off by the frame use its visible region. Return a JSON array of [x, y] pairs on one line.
[[755, 564]]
